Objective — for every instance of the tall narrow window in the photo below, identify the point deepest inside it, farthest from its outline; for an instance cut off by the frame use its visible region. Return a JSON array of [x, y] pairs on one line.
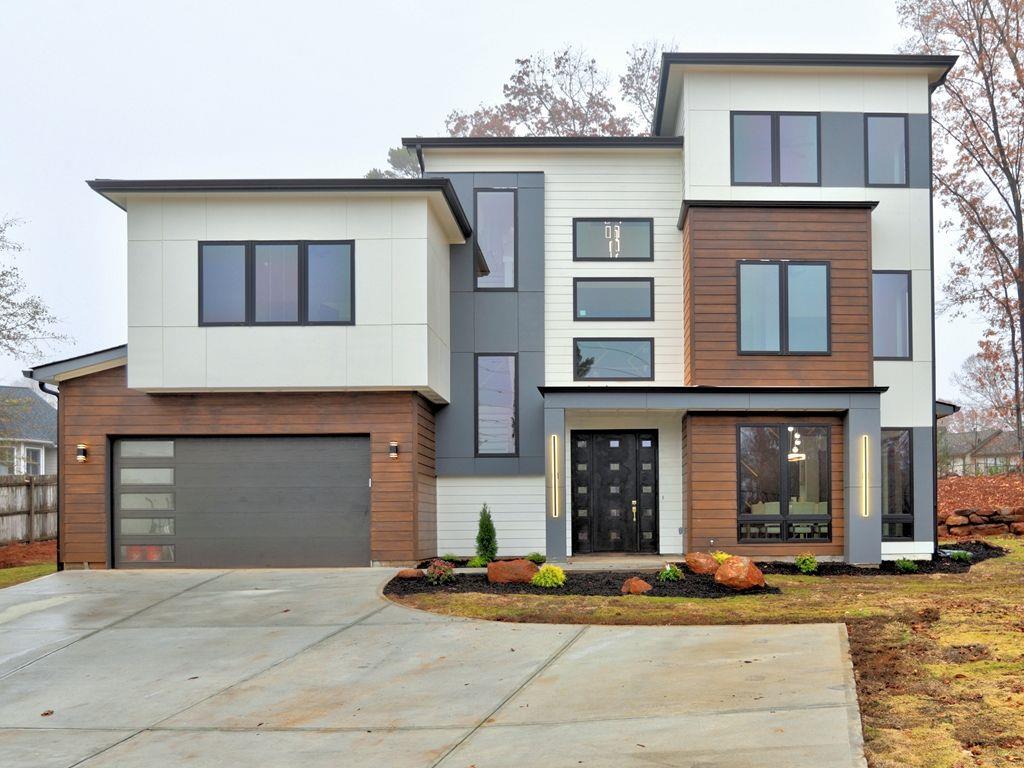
[[897, 485], [329, 283], [33, 461], [496, 406], [783, 308], [807, 307], [798, 149], [752, 149], [890, 298], [222, 284], [496, 237], [276, 283], [886, 148]]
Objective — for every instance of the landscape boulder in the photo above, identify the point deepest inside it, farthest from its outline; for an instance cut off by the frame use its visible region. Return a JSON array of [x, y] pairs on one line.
[[635, 586], [955, 519], [510, 571], [410, 573], [739, 573], [992, 529], [701, 562], [1017, 529]]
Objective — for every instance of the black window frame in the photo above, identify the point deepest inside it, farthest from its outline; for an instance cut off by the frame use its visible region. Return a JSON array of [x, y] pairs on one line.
[[649, 220], [303, 283], [910, 313], [776, 161], [575, 372], [906, 150], [575, 299], [514, 191], [783, 516], [784, 307], [902, 517], [476, 407]]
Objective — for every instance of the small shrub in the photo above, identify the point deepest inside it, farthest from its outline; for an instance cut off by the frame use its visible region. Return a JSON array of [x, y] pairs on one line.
[[448, 557], [549, 576], [477, 562], [440, 572], [486, 536], [903, 565], [536, 558], [806, 563], [960, 556], [721, 557], [670, 572]]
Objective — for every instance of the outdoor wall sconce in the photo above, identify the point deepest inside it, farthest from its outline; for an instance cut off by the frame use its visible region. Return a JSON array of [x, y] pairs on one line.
[[554, 476], [865, 510], [393, 450], [81, 453]]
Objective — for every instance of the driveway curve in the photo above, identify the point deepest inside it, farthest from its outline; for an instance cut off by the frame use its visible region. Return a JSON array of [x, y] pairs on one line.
[[314, 668]]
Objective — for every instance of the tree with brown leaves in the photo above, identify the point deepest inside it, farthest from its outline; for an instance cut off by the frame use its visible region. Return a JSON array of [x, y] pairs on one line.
[[26, 323]]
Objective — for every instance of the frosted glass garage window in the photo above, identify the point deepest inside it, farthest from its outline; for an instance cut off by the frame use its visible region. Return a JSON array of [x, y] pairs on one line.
[[276, 283], [222, 284], [147, 476], [496, 237], [147, 449], [496, 405]]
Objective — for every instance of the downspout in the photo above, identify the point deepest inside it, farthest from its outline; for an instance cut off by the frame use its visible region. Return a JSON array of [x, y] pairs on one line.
[[60, 465]]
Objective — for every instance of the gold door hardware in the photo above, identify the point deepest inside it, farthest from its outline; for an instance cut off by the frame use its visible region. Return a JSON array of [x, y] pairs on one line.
[[634, 510]]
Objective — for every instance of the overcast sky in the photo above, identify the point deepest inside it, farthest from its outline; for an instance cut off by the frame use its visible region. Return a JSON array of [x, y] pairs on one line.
[[263, 89]]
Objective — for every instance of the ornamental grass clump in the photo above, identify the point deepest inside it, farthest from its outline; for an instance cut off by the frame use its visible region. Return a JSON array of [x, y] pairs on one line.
[[536, 558], [671, 572], [440, 572], [960, 556], [486, 536], [721, 557], [903, 565], [806, 563], [549, 577]]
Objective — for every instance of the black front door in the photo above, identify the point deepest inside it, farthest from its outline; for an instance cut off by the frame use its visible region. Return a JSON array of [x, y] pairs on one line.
[[614, 492]]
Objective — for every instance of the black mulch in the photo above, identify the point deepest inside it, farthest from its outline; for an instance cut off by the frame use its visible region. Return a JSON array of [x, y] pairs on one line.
[[579, 583], [981, 550]]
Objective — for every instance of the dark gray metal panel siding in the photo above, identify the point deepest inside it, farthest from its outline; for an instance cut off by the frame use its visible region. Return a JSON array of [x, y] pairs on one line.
[[842, 149], [496, 322], [253, 502], [924, 485], [919, 128]]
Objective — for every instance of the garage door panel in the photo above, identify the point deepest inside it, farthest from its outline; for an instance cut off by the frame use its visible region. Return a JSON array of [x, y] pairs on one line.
[[244, 502]]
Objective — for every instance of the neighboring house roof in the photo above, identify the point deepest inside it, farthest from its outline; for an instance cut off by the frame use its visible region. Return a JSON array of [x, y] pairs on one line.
[[1001, 444], [24, 415], [970, 442]]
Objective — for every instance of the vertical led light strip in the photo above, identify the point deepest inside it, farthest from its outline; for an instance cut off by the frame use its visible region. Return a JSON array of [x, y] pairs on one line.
[[554, 476], [864, 510]]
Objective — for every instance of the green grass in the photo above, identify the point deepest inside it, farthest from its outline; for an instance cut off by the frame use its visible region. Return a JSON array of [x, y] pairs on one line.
[[11, 576]]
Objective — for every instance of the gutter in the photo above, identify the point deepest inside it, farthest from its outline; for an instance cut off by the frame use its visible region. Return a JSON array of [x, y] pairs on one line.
[[60, 468]]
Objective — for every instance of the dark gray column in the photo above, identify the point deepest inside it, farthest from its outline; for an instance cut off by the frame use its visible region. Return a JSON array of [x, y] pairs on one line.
[[554, 485], [863, 535], [924, 485]]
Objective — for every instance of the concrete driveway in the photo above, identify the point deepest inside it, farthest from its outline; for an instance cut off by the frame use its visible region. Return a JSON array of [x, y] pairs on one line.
[[313, 668]]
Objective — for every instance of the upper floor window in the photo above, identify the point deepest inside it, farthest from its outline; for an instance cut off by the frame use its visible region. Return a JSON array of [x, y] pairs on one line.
[[277, 283], [612, 298], [885, 139], [497, 405], [613, 359], [612, 239], [496, 237], [891, 318], [776, 148], [783, 307]]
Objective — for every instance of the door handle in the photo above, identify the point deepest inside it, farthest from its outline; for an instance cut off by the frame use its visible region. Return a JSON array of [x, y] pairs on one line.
[[634, 510]]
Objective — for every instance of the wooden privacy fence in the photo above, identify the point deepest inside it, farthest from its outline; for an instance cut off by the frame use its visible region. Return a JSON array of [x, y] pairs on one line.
[[28, 508]]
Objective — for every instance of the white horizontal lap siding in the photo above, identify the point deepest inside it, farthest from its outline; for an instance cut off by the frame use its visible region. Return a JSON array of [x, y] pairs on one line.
[[607, 183], [516, 505]]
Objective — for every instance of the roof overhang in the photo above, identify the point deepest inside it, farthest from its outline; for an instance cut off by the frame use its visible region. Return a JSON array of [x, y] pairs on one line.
[[80, 365], [439, 192], [684, 209], [944, 408], [674, 64], [712, 399]]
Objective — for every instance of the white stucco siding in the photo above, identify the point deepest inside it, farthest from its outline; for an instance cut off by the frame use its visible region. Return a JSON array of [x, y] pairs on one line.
[[516, 505], [400, 339], [589, 183]]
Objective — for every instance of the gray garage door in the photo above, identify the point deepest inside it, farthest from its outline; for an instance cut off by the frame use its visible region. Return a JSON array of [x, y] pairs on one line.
[[241, 502]]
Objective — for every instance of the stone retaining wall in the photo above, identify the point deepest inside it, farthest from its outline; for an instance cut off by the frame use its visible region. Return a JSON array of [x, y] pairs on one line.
[[982, 522]]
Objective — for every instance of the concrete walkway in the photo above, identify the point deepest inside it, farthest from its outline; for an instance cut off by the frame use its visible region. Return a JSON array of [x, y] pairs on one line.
[[313, 668]]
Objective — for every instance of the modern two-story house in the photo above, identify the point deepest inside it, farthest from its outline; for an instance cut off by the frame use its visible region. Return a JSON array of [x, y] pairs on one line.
[[716, 336]]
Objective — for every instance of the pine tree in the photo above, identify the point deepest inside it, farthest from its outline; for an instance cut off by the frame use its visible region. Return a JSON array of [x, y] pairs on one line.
[[486, 536]]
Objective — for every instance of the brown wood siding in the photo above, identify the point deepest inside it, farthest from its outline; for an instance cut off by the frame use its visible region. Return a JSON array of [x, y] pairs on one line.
[[710, 456], [715, 239], [98, 407]]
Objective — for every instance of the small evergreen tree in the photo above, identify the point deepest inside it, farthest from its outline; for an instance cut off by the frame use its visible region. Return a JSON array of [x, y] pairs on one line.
[[486, 536]]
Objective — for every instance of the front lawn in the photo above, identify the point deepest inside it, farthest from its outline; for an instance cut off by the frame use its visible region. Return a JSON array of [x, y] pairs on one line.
[[24, 562], [939, 658], [11, 576]]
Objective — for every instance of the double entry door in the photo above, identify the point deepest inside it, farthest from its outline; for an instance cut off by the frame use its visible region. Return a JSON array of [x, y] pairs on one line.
[[614, 491]]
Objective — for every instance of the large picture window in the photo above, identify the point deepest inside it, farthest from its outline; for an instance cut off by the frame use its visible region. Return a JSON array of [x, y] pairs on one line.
[[262, 283], [497, 238], [612, 298], [897, 485], [613, 239], [497, 406], [885, 141], [891, 318], [776, 148], [784, 474], [783, 307], [613, 359]]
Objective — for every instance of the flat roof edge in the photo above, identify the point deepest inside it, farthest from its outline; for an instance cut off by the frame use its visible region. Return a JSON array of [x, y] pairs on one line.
[[705, 388], [562, 142], [684, 209]]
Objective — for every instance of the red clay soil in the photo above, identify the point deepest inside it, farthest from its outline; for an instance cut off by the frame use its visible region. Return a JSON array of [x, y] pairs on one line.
[[987, 492], [13, 555]]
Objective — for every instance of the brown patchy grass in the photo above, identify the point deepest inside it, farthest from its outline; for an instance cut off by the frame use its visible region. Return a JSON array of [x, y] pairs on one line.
[[939, 659]]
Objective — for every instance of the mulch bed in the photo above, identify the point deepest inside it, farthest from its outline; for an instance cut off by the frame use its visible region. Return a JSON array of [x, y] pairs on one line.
[[598, 583], [983, 492], [981, 550], [16, 555]]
